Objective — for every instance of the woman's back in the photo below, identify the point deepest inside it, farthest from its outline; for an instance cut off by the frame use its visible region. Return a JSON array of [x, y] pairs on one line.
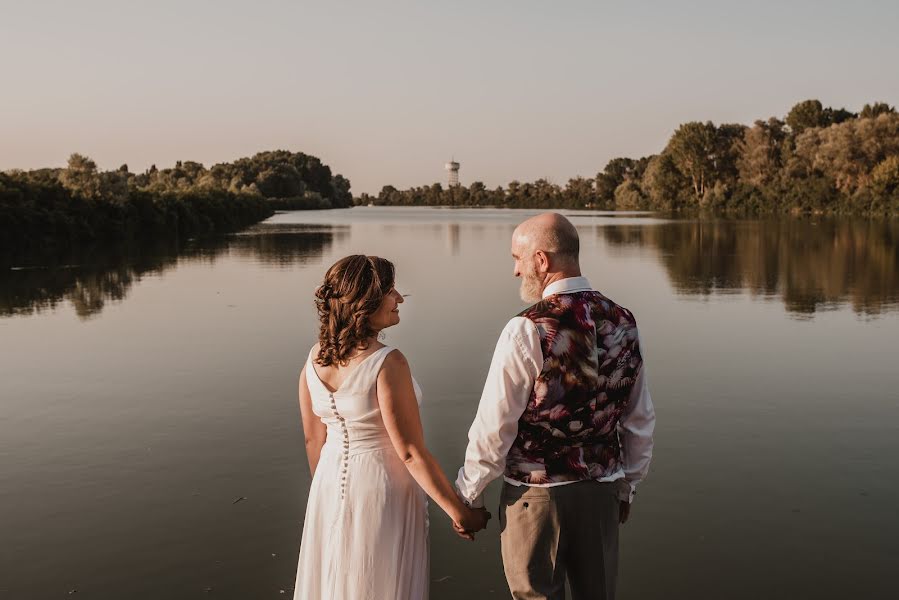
[[366, 528], [356, 392]]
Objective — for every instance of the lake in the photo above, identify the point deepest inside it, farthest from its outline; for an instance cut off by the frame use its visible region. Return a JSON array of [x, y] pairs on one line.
[[151, 446]]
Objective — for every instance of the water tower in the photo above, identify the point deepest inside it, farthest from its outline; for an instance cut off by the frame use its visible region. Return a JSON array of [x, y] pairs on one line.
[[453, 168]]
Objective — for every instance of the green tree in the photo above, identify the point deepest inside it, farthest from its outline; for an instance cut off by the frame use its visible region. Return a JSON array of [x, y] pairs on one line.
[[629, 196], [885, 178], [80, 176], [281, 180], [760, 152], [692, 148], [847, 153], [706, 155], [727, 138], [807, 114], [342, 195], [478, 194], [818, 159], [869, 111], [613, 175], [114, 187], [389, 196], [579, 193], [836, 116], [663, 183]]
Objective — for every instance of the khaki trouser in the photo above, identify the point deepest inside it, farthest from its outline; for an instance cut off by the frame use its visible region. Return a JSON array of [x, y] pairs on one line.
[[550, 533]]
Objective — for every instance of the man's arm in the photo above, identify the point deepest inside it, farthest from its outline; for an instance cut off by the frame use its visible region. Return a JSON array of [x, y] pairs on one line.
[[516, 363], [635, 432]]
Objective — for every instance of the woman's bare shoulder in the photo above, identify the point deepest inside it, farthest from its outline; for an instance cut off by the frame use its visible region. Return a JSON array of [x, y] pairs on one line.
[[313, 352], [396, 356], [395, 363]]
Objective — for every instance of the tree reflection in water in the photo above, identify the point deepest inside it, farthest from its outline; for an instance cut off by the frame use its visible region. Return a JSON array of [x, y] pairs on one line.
[[89, 278], [810, 264]]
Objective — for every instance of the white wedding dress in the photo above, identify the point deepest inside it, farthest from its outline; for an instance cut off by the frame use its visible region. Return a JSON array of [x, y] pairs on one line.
[[366, 531]]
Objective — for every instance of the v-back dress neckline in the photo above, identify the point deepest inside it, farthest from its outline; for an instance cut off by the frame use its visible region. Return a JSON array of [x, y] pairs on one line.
[[365, 534], [348, 377]]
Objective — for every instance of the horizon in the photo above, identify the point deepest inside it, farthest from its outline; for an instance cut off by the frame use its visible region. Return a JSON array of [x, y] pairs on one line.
[[512, 94]]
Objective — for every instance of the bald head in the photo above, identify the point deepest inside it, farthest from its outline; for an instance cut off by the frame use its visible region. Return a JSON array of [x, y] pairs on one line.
[[545, 249], [552, 234]]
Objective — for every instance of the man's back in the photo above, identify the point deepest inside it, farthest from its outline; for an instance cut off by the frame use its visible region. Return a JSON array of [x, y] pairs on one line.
[[566, 416], [591, 361]]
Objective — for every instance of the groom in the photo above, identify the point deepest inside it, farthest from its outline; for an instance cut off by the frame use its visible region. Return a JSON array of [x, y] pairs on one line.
[[566, 418]]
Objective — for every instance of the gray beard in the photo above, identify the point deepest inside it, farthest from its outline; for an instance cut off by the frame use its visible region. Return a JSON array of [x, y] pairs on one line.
[[530, 290]]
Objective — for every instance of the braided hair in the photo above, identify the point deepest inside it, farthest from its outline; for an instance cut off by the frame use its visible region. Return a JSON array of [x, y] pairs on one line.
[[352, 291]]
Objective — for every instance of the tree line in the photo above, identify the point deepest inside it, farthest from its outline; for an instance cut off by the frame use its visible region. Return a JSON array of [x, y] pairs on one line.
[[80, 203], [816, 159]]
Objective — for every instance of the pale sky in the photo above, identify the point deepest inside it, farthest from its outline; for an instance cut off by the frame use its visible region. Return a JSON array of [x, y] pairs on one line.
[[386, 92]]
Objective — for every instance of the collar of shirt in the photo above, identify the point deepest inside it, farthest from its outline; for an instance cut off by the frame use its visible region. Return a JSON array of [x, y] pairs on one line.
[[569, 285]]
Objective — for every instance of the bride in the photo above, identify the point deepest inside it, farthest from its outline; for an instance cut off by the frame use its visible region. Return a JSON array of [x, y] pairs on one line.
[[366, 529]]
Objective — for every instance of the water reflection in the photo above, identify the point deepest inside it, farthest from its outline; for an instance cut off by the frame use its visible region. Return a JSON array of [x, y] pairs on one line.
[[810, 265], [90, 278], [287, 245], [181, 399], [452, 238], [87, 278]]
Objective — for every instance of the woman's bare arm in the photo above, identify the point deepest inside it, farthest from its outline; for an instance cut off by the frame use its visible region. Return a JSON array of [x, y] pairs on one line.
[[314, 430], [399, 409]]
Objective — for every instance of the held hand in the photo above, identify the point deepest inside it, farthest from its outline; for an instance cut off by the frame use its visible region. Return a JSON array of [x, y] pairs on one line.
[[473, 519], [476, 520], [460, 531], [624, 511]]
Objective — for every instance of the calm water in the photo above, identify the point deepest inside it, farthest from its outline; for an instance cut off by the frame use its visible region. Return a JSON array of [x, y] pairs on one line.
[[145, 391]]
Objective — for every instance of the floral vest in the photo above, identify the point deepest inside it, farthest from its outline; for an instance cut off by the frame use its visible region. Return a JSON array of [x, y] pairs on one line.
[[591, 359]]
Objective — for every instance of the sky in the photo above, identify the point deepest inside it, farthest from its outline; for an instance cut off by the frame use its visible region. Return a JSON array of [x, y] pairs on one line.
[[387, 92]]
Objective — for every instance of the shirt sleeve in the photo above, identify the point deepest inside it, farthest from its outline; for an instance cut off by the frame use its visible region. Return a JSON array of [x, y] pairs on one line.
[[516, 363], [635, 433]]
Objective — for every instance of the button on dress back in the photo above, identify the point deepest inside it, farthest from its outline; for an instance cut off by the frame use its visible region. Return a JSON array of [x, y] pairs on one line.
[[366, 530]]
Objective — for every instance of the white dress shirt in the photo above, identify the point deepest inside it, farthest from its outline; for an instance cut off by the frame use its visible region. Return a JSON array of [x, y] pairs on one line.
[[517, 361]]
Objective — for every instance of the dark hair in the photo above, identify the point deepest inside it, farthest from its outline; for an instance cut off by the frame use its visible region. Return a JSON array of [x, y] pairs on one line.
[[353, 289]]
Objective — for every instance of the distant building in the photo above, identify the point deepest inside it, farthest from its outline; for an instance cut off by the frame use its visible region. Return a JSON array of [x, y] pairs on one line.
[[452, 168]]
